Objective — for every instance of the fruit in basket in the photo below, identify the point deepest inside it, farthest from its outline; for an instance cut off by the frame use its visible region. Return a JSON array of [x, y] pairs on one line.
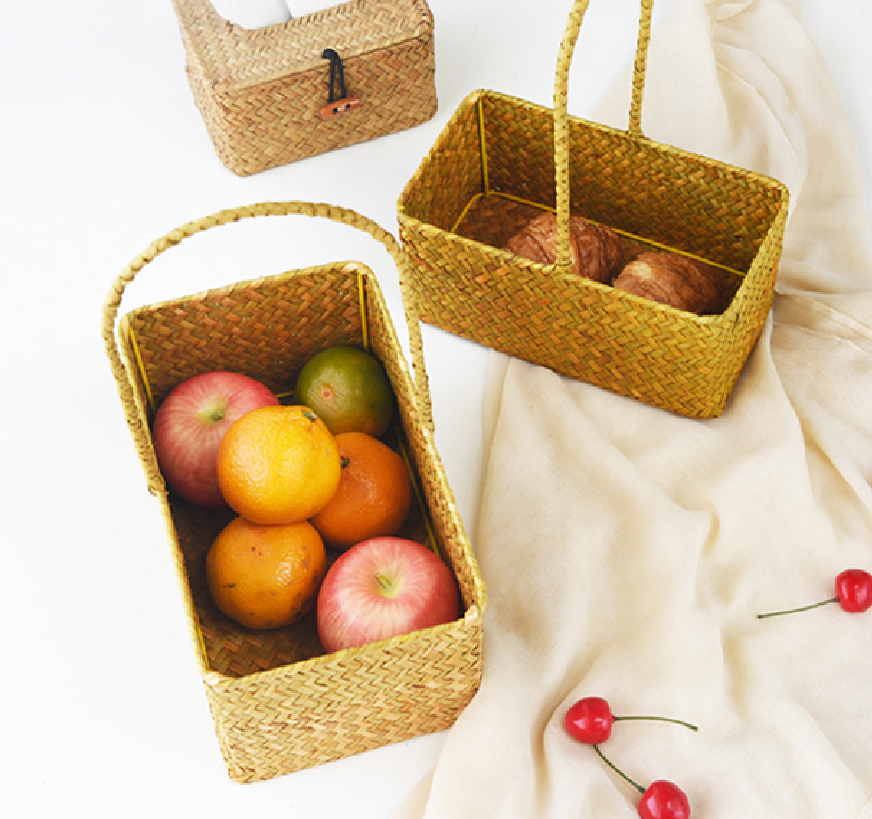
[[266, 577], [590, 720], [595, 250], [673, 279], [190, 424], [278, 465], [853, 594], [374, 493], [381, 588], [349, 389]]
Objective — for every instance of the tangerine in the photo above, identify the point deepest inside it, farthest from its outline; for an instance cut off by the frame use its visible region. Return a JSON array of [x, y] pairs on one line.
[[374, 493], [278, 465], [266, 576], [349, 389]]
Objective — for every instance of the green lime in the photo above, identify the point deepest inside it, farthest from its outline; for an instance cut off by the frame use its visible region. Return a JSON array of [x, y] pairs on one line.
[[349, 389]]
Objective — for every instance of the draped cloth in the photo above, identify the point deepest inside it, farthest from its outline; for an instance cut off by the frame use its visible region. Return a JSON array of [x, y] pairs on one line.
[[627, 550]]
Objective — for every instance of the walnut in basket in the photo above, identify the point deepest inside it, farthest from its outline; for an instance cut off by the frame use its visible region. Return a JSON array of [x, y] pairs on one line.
[[595, 250], [676, 280]]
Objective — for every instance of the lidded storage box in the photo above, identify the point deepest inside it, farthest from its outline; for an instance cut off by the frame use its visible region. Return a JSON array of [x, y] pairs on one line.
[[279, 703], [326, 80], [501, 161]]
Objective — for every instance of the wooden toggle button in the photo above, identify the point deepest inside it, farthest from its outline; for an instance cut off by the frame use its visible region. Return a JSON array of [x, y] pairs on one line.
[[335, 109]]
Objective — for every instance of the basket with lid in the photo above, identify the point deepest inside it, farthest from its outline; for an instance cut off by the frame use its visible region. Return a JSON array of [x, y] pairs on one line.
[[316, 83]]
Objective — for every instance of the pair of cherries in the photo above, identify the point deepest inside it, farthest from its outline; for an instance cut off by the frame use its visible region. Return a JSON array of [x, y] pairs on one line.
[[590, 721]]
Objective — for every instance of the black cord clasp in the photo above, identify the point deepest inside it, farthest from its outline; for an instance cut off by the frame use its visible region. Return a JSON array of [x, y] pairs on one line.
[[341, 103]]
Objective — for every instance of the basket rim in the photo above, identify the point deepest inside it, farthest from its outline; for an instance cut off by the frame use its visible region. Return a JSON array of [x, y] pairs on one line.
[[339, 266], [474, 97], [471, 618]]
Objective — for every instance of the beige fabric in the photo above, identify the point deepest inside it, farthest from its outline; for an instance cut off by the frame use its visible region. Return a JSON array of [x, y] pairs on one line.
[[627, 550]]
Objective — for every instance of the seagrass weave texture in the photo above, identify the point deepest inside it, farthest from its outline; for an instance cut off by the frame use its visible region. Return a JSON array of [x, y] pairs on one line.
[[279, 703], [260, 92], [500, 160]]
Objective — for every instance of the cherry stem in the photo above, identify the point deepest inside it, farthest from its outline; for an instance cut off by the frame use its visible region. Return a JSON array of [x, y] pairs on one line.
[[662, 719], [801, 608], [618, 771]]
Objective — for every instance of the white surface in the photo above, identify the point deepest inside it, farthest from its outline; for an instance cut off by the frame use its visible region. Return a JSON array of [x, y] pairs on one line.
[[252, 14], [103, 151]]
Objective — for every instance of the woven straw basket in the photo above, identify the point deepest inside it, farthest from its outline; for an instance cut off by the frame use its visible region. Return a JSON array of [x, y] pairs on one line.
[[279, 703], [268, 97], [500, 161]]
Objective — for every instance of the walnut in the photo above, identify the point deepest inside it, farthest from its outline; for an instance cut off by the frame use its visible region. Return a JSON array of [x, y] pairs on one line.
[[673, 279], [595, 250]]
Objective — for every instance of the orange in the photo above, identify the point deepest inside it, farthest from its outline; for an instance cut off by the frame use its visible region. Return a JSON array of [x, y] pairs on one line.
[[266, 576], [278, 465], [349, 389], [374, 494]]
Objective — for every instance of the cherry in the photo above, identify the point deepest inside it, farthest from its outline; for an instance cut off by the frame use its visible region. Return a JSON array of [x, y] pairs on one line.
[[664, 800], [661, 800], [590, 720], [854, 590], [853, 594]]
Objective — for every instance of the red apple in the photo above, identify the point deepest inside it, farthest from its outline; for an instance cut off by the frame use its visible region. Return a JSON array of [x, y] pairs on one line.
[[381, 588], [190, 424]]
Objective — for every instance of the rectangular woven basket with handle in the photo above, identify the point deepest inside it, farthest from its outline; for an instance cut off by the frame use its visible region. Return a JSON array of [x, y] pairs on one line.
[[326, 80], [500, 161], [278, 701]]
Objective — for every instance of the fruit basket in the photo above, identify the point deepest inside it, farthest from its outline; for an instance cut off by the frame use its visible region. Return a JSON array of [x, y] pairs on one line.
[[278, 701], [316, 83], [499, 161]]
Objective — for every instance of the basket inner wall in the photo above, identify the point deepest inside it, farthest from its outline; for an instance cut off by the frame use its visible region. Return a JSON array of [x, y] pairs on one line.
[[655, 192], [268, 329], [451, 177]]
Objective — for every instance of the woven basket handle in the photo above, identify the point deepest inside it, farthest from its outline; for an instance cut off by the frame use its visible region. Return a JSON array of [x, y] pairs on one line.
[[561, 117], [123, 380]]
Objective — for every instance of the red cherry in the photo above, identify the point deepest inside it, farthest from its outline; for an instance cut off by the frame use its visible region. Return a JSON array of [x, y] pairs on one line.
[[664, 800], [854, 590], [853, 594], [590, 720]]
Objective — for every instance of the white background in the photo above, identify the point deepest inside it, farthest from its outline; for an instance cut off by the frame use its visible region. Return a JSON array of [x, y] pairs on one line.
[[101, 152]]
